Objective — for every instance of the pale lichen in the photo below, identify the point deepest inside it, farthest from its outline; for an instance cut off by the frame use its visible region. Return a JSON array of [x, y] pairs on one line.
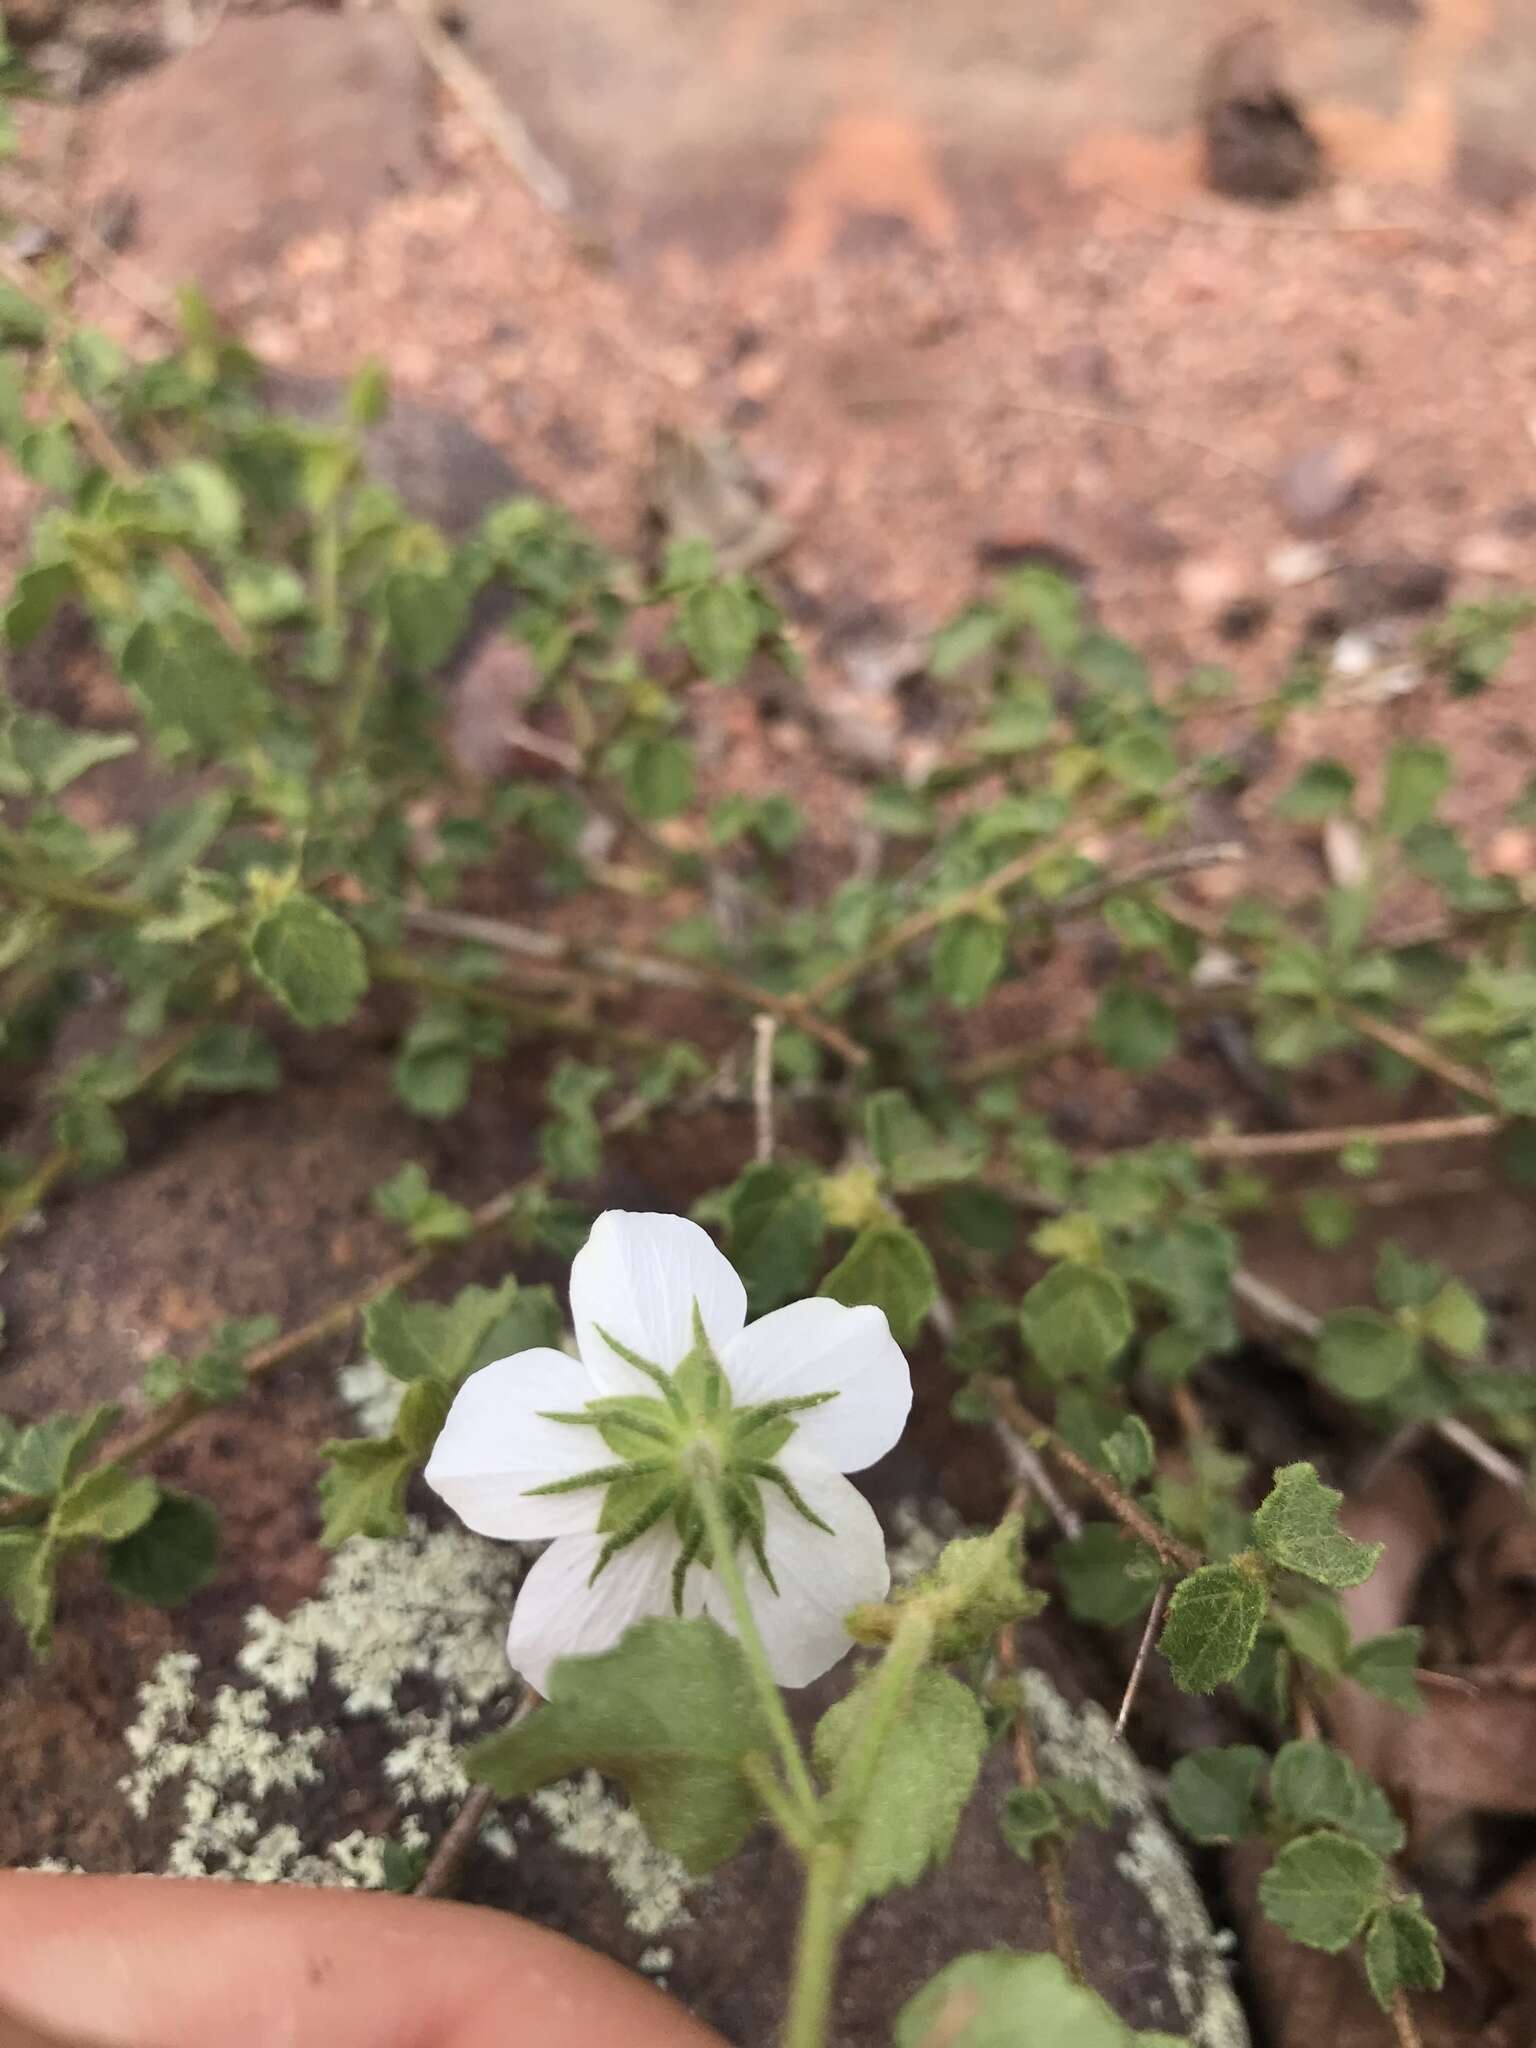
[[589, 1821], [1080, 1741]]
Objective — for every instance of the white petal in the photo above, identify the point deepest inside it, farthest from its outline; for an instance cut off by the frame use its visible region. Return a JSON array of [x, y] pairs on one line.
[[558, 1614], [496, 1444], [818, 1347], [638, 1277], [820, 1577]]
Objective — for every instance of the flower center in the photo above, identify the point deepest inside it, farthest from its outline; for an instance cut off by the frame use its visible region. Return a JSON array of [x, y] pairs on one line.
[[671, 1446]]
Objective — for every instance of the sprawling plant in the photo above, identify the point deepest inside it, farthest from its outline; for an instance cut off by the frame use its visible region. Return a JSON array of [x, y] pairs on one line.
[[282, 629]]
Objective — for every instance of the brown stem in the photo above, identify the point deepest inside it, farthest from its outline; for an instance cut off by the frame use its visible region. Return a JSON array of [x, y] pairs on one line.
[[1444, 1130], [440, 1878], [1038, 1434], [1143, 1651], [1409, 1046], [488, 996], [1052, 1863], [1403, 2023]]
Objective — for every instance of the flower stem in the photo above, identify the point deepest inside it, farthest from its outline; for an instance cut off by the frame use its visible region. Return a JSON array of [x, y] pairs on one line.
[[797, 1776], [821, 1924], [889, 1689]]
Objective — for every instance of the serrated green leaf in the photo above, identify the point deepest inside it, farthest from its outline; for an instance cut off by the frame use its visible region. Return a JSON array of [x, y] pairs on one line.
[[913, 1154], [1321, 790], [659, 777], [409, 1199], [1387, 1665], [1402, 1952], [41, 1459], [171, 1556], [27, 1563], [1029, 1817], [51, 756], [1106, 1576], [1213, 1794], [775, 1226], [1213, 1622], [1077, 1320], [1457, 1320], [1134, 1028], [1312, 1785], [416, 1340], [197, 693], [670, 1713], [362, 1489], [109, 1503], [35, 599], [226, 1059], [1417, 777], [1296, 1527], [996, 1999], [311, 960], [890, 1266], [1322, 1889], [1317, 1631], [720, 624], [1364, 1354], [928, 1765], [968, 957]]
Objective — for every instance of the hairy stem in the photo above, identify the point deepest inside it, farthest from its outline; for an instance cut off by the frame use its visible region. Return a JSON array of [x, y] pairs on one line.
[[810, 1997], [796, 1772]]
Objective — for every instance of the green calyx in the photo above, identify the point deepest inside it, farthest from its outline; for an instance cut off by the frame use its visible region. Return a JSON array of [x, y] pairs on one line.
[[670, 1446]]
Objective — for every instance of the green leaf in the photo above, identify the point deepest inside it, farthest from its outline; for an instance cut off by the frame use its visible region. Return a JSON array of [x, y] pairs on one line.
[[1322, 1889], [971, 1592], [226, 1059], [1364, 1354], [22, 321], [1296, 1527], [27, 1563], [1402, 1952], [571, 1142], [1329, 1218], [171, 1556], [1142, 759], [928, 1765], [1213, 1622], [1133, 1028], [890, 1266], [35, 599], [1106, 1576], [996, 1999], [1213, 1794], [1317, 1631], [1315, 1786], [1457, 1320], [1417, 777], [109, 1503], [312, 961], [1029, 1817], [197, 693], [720, 624], [670, 1713], [363, 1488], [1077, 1320], [658, 777], [968, 957], [1321, 790], [775, 1225], [41, 1459], [913, 1155], [409, 1199], [50, 756], [415, 1340], [1387, 1665]]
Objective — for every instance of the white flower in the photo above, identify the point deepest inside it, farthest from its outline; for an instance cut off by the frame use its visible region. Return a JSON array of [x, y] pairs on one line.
[[606, 1454]]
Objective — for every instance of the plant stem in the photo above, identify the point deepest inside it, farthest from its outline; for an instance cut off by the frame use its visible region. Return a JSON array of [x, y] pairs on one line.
[[482, 995], [1018, 1418], [1443, 1130], [1403, 2023], [441, 1875], [1143, 1651], [889, 1689], [821, 1919], [796, 1773], [1026, 1766]]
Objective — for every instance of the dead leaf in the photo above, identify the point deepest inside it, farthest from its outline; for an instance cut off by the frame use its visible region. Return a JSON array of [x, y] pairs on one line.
[[703, 488]]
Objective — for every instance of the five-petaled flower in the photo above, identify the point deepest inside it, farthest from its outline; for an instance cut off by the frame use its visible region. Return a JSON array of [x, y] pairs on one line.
[[675, 1395]]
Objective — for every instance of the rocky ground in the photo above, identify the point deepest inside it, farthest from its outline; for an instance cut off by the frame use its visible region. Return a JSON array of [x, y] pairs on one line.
[[913, 298]]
